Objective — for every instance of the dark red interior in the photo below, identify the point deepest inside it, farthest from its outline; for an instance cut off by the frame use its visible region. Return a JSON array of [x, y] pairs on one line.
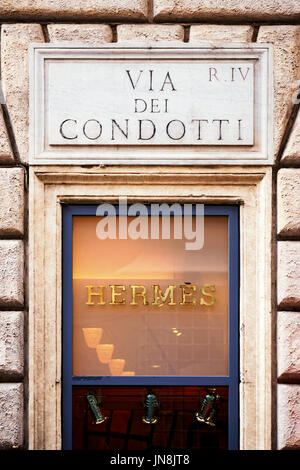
[[176, 428]]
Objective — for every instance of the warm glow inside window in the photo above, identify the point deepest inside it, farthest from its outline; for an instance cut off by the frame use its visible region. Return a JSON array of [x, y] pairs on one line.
[[150, 307]]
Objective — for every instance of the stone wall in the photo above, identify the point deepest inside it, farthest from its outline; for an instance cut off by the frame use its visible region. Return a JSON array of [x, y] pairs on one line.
[[99, 21]]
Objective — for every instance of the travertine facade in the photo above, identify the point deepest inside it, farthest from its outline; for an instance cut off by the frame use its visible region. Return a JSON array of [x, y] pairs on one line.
[[95, 21]]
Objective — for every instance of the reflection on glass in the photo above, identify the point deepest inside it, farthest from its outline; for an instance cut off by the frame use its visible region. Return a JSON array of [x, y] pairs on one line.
[[92, 336], [150, 304], [116, 366], [104, 352]]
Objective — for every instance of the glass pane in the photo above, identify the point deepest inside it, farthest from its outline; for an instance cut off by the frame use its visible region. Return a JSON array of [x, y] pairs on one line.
[[150, 307]]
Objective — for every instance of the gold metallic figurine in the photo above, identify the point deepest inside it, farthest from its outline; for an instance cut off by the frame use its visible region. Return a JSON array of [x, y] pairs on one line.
[[207, 413]]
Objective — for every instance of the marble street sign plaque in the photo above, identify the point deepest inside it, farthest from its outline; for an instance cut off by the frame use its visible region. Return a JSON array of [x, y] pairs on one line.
[[153, 104]]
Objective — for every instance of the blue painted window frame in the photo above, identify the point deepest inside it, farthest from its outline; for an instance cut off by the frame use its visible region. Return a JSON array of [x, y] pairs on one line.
[[232, 380]]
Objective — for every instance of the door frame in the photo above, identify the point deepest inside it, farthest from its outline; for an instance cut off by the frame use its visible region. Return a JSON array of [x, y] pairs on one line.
[[248, 187]]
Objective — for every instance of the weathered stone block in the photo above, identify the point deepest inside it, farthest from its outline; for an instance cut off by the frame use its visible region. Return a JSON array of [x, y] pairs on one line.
[[225, 9], [72, 10], [288, 346], [288, 416], [11, 415], [221, 33], [85, 33], [6, 155], [11, 201], [288, 204], [291, 152], [11, 273], [150, 32], [11, 344], [288, 278], [286, 68], [15, 39]]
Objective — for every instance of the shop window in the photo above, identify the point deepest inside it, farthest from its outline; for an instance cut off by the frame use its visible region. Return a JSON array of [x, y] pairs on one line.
[[147, 317]]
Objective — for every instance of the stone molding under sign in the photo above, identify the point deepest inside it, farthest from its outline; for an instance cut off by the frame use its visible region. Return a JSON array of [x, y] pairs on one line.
[[151, 104]]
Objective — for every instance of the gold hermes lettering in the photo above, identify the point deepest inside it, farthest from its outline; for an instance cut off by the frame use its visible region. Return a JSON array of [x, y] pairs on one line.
[[115, 295], [186, 294], [91, 294], [140, 294], [160, 298], [208, 294]]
